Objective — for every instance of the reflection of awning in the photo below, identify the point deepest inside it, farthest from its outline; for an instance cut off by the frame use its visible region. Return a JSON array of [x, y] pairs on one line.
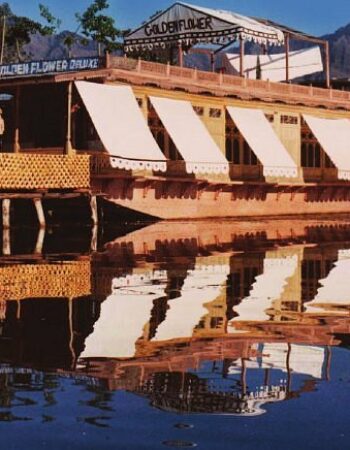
[[190, 24], [303, 359], [334, 137], [121, 126], [334, 289], [123, 316], [200, 287], [273, 67], [267, 287], [264, 142], [190, 136]]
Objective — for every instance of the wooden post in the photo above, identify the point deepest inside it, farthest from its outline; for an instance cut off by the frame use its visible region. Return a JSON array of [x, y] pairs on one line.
[[40, 212], [6, 205], [40, 242], [212, 61], [68, 146], [287, 57], [94, 211], [107, 59], [241, 57], [16, 144], [94, 238], [180, 55], [328, 71], [6, 242]]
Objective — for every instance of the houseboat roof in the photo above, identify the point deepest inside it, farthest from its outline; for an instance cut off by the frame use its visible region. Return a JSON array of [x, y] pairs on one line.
[[189, 24]]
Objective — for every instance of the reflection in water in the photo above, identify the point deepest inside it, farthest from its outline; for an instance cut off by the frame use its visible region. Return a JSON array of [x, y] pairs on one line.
[[223, 320]]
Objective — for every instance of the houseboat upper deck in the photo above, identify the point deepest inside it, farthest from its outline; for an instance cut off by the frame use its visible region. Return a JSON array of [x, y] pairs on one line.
[[175, 142]]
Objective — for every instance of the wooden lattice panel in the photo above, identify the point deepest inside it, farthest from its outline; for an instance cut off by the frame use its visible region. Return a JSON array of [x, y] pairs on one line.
[[23, 171], [64, 280]]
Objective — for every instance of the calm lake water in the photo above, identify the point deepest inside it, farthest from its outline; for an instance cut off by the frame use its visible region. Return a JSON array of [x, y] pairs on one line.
[[215, 335]]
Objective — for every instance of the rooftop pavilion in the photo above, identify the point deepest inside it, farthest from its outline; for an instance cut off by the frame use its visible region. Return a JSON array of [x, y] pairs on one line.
[[183, 25]]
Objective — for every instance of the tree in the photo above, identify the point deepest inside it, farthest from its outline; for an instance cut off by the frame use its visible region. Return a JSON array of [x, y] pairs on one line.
[[17, 30], [99, 27]]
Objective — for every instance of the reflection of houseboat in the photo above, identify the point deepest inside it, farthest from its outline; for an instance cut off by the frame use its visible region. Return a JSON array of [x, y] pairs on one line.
[[174, 142]]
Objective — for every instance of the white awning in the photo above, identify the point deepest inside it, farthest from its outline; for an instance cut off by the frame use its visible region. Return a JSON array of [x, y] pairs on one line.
[[267, 287], [190, 24], [334, 137], [200, 287], [262, 139], [334, 289], [273, 67], [121, 126], [190, 136], [123, 316]]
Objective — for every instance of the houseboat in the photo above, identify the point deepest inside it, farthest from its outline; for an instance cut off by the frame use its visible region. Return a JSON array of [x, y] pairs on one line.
[[167, 141]]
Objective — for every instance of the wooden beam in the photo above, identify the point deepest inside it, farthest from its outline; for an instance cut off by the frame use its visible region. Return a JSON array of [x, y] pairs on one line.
[[241, 57]]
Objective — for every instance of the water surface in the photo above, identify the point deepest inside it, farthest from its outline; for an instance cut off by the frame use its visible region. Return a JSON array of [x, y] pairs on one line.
[[209, 335]]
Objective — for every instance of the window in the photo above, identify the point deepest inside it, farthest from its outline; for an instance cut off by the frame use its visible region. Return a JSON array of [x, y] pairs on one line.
[[310, 154], [215, 113], [199, 110], [289, 120]]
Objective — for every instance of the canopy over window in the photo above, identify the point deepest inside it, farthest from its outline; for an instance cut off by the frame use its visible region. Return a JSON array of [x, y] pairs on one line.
[[264, 142], [190, 136], [334, 137], [189, 24], [121, 126], [273, 67]]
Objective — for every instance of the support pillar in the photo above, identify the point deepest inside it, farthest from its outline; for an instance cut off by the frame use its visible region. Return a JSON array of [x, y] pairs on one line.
[[68, 145], [16, 138], [40, 212], [40, 242], [328, 71], [241, 57], [6, 242], [94, 238], [287, 57], [212, 61], [180, 55], [94, 211], [6, 205]]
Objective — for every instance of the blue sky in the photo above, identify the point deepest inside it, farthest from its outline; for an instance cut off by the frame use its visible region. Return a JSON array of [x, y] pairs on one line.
[[313, 16]]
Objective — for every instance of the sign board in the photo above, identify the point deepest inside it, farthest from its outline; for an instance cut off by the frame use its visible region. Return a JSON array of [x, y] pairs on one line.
[[47, 67]]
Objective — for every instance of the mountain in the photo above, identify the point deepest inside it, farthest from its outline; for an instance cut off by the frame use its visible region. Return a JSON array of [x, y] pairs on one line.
[[52, 47], [339, 43]]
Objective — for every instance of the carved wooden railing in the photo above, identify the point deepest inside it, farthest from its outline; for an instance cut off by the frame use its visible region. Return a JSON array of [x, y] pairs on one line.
[[20, 171], [212, 79]]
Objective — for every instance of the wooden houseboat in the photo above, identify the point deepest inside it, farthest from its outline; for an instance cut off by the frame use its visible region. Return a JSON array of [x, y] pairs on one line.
[[173, 142]]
